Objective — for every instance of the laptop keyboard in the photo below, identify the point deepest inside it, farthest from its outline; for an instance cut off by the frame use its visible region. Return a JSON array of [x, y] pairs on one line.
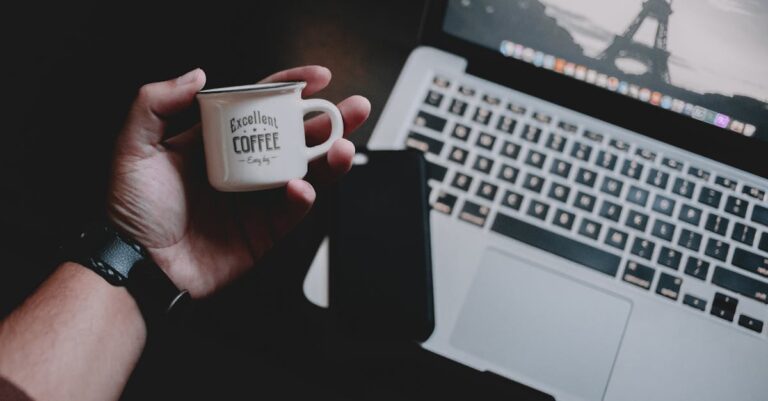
[[650, 220]]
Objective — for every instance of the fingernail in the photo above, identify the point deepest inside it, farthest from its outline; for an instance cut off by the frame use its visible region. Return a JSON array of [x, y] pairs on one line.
[[187, 78]]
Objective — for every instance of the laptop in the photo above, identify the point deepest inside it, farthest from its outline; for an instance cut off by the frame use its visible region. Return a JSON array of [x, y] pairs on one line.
[[598, 190]]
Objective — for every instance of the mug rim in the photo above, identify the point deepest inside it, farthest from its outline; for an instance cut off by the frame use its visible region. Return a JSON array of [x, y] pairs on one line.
[[268, 87]]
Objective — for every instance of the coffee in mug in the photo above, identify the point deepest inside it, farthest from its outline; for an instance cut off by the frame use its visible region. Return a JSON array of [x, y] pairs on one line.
[[254, 134]]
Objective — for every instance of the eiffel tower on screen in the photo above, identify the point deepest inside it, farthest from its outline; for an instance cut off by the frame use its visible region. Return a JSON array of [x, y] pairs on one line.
[[654, 58]]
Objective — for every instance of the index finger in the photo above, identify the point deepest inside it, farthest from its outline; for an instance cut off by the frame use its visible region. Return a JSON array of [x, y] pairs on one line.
[[317, 78]]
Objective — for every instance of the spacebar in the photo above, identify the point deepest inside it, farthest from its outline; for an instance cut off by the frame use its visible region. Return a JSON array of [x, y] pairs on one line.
[[567, 248]]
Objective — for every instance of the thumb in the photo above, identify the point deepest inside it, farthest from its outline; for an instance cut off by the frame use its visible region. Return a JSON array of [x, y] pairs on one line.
[[155, 103]]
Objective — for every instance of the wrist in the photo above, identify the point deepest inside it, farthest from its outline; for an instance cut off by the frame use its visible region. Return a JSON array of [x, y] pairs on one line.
[[121, 261]]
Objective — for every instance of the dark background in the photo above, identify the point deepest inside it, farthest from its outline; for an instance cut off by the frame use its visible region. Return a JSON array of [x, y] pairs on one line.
[[72, 72]]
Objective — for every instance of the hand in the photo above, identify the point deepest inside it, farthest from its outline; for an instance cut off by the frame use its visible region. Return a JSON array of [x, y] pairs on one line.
[[160, 195]]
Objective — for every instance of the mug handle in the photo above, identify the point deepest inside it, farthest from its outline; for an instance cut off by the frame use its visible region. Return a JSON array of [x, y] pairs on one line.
[[337, 125]]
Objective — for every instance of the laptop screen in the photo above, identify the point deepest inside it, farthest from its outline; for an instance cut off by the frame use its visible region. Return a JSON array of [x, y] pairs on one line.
[[706, 59]]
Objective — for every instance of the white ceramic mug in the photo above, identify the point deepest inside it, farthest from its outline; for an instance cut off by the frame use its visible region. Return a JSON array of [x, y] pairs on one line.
[[254, 134]]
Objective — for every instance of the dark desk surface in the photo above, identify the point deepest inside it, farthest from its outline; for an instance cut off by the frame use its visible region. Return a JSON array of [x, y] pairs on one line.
[[73, 74]]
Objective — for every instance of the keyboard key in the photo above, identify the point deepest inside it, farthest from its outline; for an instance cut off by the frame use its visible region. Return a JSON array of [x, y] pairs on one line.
[[434, 98], [716, 249], [724, 306], [695, 302], [632, 169], [458, 107], [559, 192], [658, 178], [697, 268], [740, 284], [593, 136], [556, 142], [584, 201], [516, 108], [567, 127], [763, 242], [690, 240], [424, 143], [698, 173], [436, 171], [756, 193], [512, 200], [619, 145], [636, 220], [460, 132], [751, 262], [646, 154], [616, 239], [716, 224], [538, 209], [639, 275], [508, 173], [563, 219], [561, 168], [531, 133], [586, 177], [486, 190], [744, 234], [506, 124], [557, 244], [541, 117], [637, 196], [662, 229], [725, 182], [444, 203], [482, 116], [466, 91], [486, 141], [491, 100], [736, 206], [441, 82], [672, 163], [510, 150], [669, 286], [431, 121], [611, 186], [683, 187], [643, 248], [669, 257], [610, 210], [751, 323], [760, 215], [590, 228], [690, 214], [474, 213], [606, 160], [710, 197], [663, 205], [535, 159], [533, 182], [483, 164], [458, 155], [461, 181], [581, 151]]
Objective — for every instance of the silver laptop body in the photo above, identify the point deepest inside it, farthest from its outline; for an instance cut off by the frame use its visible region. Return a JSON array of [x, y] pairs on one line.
[[578, 257]]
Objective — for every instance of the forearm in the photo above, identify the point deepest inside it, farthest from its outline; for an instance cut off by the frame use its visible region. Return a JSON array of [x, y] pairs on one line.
[[76, 338]]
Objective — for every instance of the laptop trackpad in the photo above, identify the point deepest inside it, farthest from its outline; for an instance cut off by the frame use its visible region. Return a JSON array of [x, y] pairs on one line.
[[543, 327]]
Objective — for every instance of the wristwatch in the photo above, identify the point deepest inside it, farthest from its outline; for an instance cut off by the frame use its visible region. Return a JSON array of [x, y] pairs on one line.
[[123, 262]]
